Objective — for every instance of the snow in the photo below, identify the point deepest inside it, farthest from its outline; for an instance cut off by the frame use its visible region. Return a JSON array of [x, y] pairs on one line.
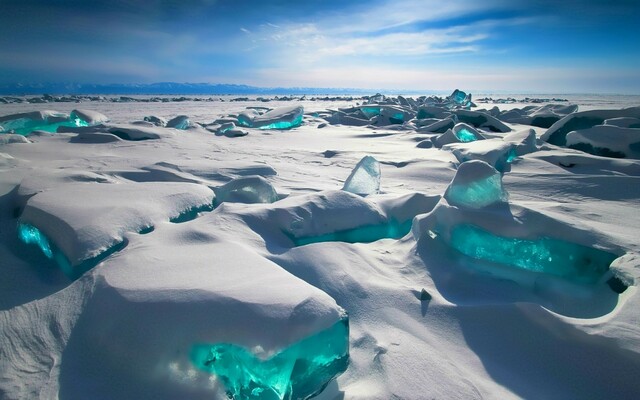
[[193, 240]]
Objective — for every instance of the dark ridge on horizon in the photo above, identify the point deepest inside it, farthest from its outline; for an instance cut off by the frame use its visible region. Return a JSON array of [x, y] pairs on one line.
[[169, 88]]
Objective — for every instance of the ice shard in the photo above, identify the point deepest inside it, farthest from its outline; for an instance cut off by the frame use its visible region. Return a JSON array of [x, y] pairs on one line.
[[26, 123], [246, 189], [466, 133], [180, 122], [299, 371], [365, 177], [279, 118], [475, 185], [460, 98], [546, 255]]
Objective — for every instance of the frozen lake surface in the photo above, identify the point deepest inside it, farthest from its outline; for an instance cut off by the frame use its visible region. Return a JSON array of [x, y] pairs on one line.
[[383, 247]]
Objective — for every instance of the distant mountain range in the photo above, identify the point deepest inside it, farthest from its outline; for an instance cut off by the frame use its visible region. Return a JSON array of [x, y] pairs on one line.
[[165, 88]]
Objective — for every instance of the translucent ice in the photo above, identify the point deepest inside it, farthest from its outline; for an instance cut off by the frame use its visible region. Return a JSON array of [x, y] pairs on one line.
[[363, 234], [26, 123], [365, 177], [180, 122], [475, 185], [29, 234], [279, 118], [567, 260], [247, 189], [370, 111], [298, 372], [465, 133], [460, 98]]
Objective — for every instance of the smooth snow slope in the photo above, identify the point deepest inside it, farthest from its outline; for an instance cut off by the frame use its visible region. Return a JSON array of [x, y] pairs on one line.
[[235, 274]]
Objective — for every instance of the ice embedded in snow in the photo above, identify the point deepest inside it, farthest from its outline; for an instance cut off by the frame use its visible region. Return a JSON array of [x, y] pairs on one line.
[[365, 177], [157, 121], [465, 133], [246, 189], [460, 133], [460, 98], [545, 255], [85, 221], [198, 305], [482, 120], [524, 141], [181, 122], [49, 121], [87, 117], [496, 152], [279, 118], [246, 376], [475, 185]]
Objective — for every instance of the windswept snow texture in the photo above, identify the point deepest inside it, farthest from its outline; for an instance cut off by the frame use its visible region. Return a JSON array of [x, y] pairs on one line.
[[370, 247]]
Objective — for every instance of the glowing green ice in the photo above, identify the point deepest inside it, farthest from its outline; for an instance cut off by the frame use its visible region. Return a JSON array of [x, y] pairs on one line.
[[465, 135], [546, 255], [300, 371], [363, 234], [24, 126], [284, 124], [29, 234], [370, 112], [477, 194]]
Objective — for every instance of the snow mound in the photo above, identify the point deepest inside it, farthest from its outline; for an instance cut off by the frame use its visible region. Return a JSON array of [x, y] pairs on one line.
[[85, 220], [496, 152], [9, 138], [606, 140], [481, 119], [524, 141], [130, 132], [542, 116], [557, 133]]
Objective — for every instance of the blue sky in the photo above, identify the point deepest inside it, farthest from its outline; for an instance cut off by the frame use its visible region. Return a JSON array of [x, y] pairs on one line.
[[540, 46]]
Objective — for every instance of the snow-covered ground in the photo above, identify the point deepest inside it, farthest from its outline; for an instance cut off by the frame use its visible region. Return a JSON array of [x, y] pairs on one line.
[[516, 280]]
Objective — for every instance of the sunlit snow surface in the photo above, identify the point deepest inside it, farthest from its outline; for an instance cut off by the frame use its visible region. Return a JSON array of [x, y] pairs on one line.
[[217, 254]]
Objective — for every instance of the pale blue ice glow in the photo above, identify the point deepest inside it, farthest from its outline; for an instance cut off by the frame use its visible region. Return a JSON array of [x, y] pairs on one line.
[[370, 112], [477, 194], [365, 177], [465, 135], [284, 124]]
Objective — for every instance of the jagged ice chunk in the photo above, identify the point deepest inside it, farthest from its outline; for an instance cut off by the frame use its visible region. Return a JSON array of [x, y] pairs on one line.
[[365, 177]]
